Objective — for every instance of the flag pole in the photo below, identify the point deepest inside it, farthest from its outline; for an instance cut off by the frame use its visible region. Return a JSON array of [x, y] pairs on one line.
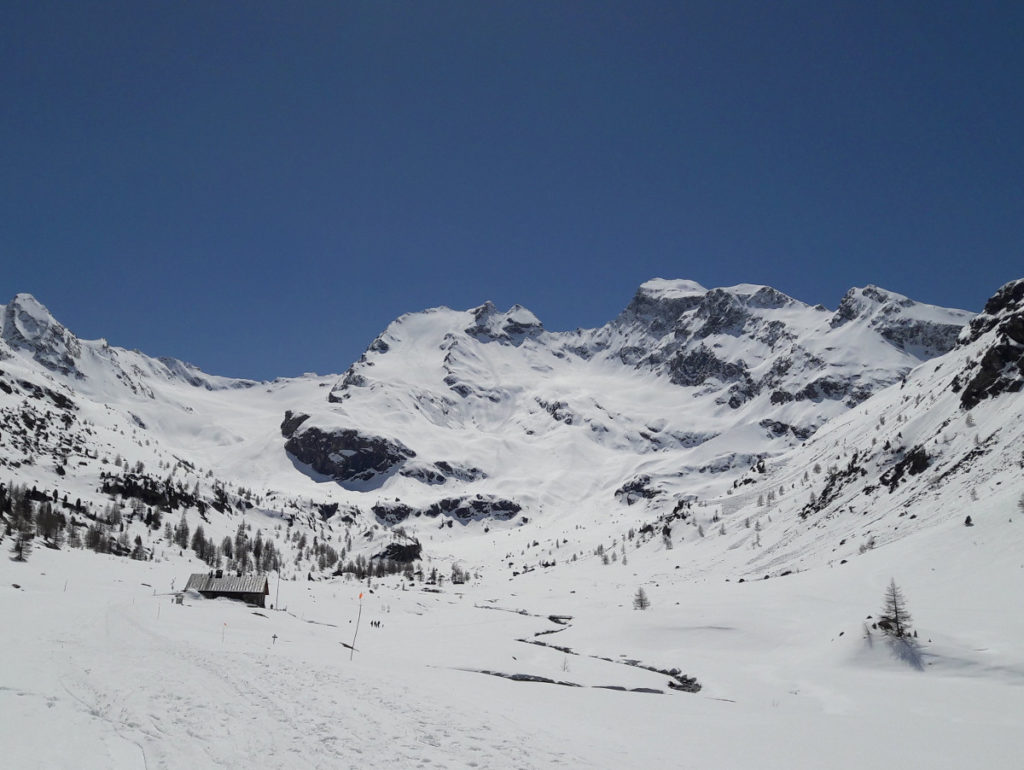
[[352, 649]]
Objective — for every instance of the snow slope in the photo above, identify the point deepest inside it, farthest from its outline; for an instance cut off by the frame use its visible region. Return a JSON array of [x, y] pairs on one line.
[[765, 558], [103, 673]]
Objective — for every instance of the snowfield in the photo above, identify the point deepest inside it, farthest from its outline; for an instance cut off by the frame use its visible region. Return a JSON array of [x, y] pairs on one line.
[[761, 468], [103, 670]]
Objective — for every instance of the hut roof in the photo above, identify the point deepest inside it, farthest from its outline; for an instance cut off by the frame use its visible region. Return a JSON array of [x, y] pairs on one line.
[[229, 584]]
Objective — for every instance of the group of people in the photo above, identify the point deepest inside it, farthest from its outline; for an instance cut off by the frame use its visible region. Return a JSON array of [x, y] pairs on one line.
[[374, 624]]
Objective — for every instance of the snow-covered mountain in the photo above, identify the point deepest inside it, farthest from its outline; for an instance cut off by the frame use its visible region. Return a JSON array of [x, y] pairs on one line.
[[920, 454], [686, 384], [760, 467], [476, 414]]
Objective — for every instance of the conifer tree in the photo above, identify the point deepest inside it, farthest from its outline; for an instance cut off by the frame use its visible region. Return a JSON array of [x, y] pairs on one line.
[[640, 600], [895, 618], [23, 534]]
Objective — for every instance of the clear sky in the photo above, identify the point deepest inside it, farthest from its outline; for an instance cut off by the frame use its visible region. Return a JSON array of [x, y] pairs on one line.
[[259, 188]]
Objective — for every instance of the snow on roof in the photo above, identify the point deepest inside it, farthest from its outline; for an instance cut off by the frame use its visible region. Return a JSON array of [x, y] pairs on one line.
[[234, 584]]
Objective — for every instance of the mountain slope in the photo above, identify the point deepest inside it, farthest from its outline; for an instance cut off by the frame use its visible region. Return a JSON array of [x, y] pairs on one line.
[[685, 382], [463, 416]]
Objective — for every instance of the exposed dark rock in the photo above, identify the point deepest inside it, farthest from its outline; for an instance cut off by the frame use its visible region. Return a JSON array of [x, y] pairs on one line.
[[636, 489], [696, 366], [27, 325], [1001, 368], [423, 474], [158, 493], [779, 429], [528, 678], [479, 507], [292, 422], [913, 463], [723, 313], [511, 328], [457, 386], [767, 297], [347, 455], [327, 510], [443, 471], [772, 333], [835, 481], [392, 513], [463, 509], [1008, 299], [835, 389], [886, 314], [403, 553], [657, 313], [460, 472], [559, 410], [935, 339]]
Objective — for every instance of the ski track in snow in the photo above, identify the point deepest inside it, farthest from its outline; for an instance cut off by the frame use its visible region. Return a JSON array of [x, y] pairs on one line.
[[317, 716]]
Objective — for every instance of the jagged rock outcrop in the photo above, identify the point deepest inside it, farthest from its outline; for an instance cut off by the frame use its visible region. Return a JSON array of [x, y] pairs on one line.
[[510, 328], [443, 471], [28, 325], [403, 553], [1000, 369], [463, 509], [466, 509], [892, 316], [292, 422], [637, 489], [746, 340]]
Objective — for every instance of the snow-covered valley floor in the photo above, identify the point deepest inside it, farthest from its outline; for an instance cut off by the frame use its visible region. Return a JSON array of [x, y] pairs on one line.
[[101, 669]]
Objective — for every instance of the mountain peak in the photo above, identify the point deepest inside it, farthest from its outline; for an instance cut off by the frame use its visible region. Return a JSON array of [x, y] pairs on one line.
[[915, 327], [664, 288], [29, 326], [864, 302], [512, 326], [30, 317]]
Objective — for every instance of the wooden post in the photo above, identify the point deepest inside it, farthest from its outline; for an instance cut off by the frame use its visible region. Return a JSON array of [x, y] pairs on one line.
[[352, 650]]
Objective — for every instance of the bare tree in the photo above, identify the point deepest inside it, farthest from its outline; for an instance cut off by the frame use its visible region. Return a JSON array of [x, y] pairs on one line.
[[23, 534], [895, 618], [640, 600]]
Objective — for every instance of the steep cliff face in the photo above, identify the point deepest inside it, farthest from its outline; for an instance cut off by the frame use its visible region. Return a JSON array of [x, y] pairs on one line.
[[921, 330], [997, 336], [749, 340], [29, 327]]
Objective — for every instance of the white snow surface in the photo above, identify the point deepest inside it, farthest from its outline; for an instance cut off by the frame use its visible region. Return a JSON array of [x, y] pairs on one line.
[[103, 670]]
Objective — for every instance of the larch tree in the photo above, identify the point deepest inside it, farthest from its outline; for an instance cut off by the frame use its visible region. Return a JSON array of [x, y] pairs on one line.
[[640, 600], [895, 618]]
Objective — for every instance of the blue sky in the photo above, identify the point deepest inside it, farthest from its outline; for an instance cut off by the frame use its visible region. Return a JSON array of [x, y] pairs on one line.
[[260, 188]]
